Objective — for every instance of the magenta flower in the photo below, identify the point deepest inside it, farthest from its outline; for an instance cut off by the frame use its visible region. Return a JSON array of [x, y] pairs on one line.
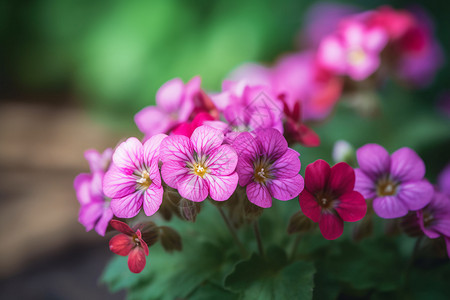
[[95, 211], [353, 50], [329, 198], [199, 166], [174, 105], [129, 243], [444, 180], [434, 219], [187, 128], [395, 183], [133, 180], [267, 167]]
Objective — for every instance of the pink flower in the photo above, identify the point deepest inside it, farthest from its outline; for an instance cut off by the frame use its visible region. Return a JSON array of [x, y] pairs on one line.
[[133, 180], [353, 50], [267, 167], [95, 211], [199, 166], [129, 243], [394, 22], [329, 198], [187, 128], [434, 219], [174, 105], [444, 180], [395, 183]]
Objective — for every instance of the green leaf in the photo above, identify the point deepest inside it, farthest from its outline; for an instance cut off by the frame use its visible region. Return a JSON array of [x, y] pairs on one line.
[[211, 291], [259, 278]]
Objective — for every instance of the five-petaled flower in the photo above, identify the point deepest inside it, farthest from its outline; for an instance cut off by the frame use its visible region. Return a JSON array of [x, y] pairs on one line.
[[267, 167], [329, 198], [133, 180], [395, 183], [129, 243], [199, 166]]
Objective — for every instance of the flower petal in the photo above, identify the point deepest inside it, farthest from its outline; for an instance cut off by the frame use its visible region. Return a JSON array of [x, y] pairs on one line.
[[364, 184], [309, 205], [82, 186], [169, 95], [121, 244], [316, 176], [352, 207], [416, 194], [342, 179], [89, 214], [152, 120], [272, 142], [286, 188], [176, 148], [245, 170], [152, 199], [127, 206], [102, 224], [205, 139], [193, 187], [331, 225], [151, 148], [222, 187], [429, 231], [222, 161], [389, 207], [373, 160], [172, 172], [259, 195], [128, 155], [406, 165], [118, 183], [447, 244], [331, 54], [122, 227], [136, 260], [288, 165]]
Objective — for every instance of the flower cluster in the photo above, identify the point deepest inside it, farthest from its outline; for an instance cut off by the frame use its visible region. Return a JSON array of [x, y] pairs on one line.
[[235, 147]]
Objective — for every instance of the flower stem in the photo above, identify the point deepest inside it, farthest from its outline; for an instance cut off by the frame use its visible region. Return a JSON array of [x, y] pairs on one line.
[[295, 247], [233, 232], [258, 238]]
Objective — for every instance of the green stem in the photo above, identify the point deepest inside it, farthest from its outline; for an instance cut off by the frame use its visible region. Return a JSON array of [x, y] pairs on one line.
[[258, 238], [233, 232]]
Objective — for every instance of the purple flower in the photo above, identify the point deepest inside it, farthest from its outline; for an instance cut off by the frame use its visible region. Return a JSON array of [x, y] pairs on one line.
[[174, 105], [444, 180], [200, 165], [133, 180], [395, 183], [434, 219], [353, 50], [95, 211], [267, 167]]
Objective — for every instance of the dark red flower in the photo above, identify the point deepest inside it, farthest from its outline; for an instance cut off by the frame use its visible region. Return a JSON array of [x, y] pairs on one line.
[[187, 128], [329, 198], [129, 243]]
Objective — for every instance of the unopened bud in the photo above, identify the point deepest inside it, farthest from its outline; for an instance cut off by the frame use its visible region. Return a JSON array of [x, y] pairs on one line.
[[299, 223], [170, 203], [170, 239], [189, 209], [150, 232]]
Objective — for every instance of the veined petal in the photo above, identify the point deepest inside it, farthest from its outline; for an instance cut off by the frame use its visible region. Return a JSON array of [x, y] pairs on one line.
[[364, 184], [172, 172], [389, 207], [373, 160], [406, 165], [222, 187], [152, 120], [259, 195], [152, 199], [121, 244], [128, 156], [153, 171], [169, 95], [205, 139], [331, 226], [288, 165], [222, 161], [309, 205], [151, 148], [136, 260], [127, 206], [117, 183], [245, 145], [245, 170], [272, 142], [193, 187], [176, 148], [122, 227], [316, 176], [416, 194], [286, 188], [352, 207], [342, 179]]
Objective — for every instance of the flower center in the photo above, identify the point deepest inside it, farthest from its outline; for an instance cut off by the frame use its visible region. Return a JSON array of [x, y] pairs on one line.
[[356, 56], [427, 219], [325, 199], [200, 169], [386, 187], [136, 240], [145, 181], [261, 174]]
